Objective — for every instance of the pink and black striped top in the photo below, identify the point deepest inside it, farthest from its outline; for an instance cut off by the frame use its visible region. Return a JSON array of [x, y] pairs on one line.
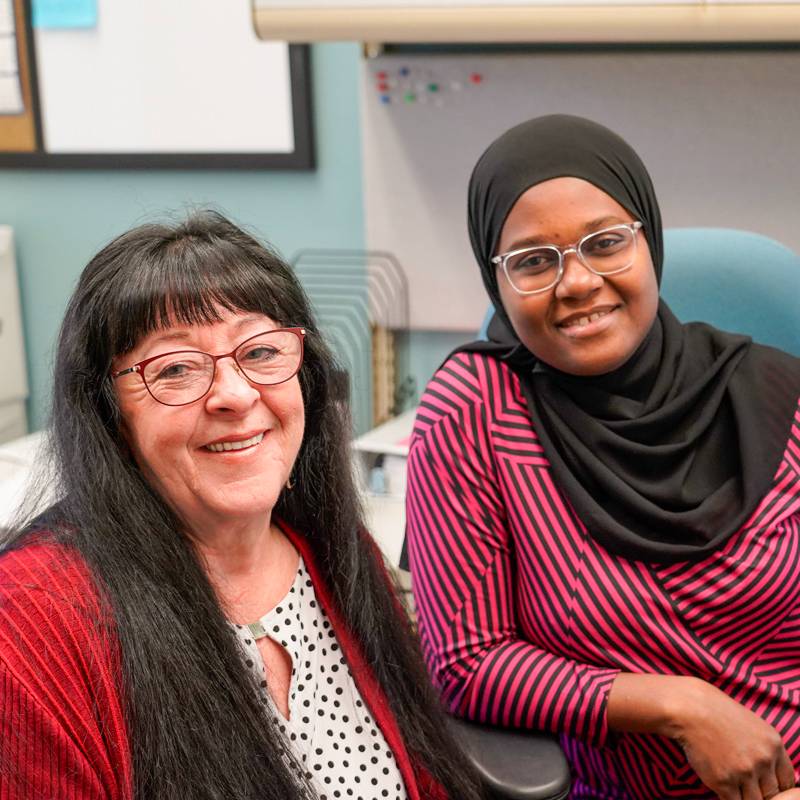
[[526, 620]]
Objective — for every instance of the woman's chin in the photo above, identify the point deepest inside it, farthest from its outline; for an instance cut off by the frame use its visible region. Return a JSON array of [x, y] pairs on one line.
[[590, 364], [238, 507]]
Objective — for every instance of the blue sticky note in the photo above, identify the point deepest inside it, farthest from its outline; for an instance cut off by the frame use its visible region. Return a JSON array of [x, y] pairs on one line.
[[64, 13]]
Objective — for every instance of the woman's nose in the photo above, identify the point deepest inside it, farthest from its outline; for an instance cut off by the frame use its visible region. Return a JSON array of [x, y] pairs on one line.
[[577, 280], [231, 390]]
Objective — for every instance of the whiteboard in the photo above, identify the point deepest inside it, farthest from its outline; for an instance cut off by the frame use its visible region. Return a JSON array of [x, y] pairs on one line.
[[167, 82]]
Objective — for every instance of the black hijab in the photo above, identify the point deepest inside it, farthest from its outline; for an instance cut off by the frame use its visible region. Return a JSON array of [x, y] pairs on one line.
[[666, 457]]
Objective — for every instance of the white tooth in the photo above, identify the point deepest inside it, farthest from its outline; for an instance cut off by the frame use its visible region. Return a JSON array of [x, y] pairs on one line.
[[583, 322], [222, 446]]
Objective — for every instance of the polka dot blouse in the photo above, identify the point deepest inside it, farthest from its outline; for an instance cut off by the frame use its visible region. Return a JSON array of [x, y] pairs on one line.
[[330, 729]]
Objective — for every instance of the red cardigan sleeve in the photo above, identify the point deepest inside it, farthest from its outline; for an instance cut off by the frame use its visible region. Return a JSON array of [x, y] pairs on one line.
[[462, 566], [62, 728]]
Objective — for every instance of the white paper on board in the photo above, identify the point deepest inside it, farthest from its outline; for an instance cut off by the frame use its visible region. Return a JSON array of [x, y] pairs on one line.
[[6, 18], [10, 89], [10, 95], [8, 54]]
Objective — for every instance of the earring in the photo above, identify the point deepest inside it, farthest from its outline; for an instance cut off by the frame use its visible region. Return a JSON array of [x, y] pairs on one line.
[[290, 483]]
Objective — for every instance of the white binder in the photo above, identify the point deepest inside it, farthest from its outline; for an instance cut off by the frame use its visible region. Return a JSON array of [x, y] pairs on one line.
[[13, 370]]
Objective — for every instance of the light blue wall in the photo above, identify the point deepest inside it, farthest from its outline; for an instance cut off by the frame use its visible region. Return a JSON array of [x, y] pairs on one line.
[[61, 218], [427, 350]]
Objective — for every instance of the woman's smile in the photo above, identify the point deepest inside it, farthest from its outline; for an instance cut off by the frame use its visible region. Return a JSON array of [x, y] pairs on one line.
[[236, 444], [585, 324]]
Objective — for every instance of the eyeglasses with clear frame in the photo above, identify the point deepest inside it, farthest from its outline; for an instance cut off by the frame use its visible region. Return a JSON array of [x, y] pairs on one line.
[[181, 377], [531, 270]]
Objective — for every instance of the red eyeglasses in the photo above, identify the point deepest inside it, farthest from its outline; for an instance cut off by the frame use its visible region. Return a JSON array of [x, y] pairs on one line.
[[184, 376]]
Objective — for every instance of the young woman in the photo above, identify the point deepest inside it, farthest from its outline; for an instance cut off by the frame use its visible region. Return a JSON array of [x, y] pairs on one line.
[[603, 503]]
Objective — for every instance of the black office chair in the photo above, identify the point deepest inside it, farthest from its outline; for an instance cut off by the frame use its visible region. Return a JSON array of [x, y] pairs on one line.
[[514, 764]]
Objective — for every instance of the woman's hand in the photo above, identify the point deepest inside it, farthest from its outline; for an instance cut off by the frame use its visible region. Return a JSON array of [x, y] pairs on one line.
[[734, 752]]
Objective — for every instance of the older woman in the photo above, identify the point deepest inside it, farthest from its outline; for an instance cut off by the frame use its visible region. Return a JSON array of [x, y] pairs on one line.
[[604, 504], [201, 614]]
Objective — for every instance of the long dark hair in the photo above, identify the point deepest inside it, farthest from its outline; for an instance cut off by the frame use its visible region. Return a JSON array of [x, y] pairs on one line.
[[196, 726]]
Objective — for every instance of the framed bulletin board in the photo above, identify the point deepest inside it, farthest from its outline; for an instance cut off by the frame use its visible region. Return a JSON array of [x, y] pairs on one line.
[[149, 84]]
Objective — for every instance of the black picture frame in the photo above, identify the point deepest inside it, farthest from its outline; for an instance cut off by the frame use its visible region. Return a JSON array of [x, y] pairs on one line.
[[302, 158]]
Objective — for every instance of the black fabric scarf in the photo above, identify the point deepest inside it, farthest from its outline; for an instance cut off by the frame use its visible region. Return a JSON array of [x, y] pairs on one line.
[[666, 457]]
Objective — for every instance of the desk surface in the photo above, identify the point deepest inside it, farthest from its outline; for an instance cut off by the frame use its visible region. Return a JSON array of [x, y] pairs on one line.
[[16, 461], [391, 438]]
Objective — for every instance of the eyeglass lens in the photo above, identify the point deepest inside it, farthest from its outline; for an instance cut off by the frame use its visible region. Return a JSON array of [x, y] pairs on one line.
[[179, 378], [536, 268]]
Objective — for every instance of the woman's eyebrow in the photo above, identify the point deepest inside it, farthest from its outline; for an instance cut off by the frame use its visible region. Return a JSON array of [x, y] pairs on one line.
[[249, 320], [600, 222], [588, 227], [529, 241], [172, 336], [185, 335]]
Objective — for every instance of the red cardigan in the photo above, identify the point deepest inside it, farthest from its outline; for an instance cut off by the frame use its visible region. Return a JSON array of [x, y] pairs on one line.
[[63, 732]]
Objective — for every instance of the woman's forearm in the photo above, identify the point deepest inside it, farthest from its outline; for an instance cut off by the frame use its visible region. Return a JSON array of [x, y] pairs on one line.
[[653, 703], [734, 752]]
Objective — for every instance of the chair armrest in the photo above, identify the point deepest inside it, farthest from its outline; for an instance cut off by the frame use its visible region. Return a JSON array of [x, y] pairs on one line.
[[514, 764]]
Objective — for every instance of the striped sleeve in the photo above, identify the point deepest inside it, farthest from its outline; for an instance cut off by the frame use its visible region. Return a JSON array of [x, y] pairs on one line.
[[462, 566]]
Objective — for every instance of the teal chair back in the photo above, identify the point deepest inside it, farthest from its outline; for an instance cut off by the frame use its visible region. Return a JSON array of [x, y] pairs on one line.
[[735, 280]]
